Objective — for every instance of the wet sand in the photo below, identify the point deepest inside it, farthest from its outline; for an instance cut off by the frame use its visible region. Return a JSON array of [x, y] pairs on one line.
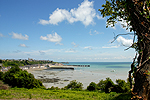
[[61, 78]]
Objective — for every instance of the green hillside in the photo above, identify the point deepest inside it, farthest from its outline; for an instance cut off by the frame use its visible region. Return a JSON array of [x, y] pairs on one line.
[[22, 93]]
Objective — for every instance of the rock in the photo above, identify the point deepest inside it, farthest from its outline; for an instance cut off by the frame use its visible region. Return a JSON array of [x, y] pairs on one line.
[[47, 80]]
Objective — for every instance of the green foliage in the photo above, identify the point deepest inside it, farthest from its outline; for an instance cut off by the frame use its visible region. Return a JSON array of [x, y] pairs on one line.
[[15, 77], [74, 85], [115, 9], [119, 10], [42, 94], [53, 88], [92, 86], [1, 75], [106, 85], [7, 63], [122, 86], [1, 60]]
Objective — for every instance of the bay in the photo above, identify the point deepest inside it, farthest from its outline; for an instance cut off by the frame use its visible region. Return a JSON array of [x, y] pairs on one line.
[[96, 72]]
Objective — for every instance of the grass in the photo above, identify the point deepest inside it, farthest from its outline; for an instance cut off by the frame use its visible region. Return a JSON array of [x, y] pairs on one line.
[[20, 93]]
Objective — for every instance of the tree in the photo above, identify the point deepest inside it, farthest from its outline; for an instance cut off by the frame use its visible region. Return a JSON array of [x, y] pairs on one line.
[[136, 13], [92, 86], [16, 77], [74, 85], [1, 61], [106, 85]]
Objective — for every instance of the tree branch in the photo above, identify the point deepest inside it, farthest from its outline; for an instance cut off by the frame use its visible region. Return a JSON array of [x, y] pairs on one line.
[[115, 37]]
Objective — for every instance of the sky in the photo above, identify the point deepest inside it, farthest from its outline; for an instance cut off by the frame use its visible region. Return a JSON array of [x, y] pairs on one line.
[[62, 31]]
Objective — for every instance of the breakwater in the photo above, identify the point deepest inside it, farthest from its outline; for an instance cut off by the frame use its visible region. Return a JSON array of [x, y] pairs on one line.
[[67, 66], [79, 65]]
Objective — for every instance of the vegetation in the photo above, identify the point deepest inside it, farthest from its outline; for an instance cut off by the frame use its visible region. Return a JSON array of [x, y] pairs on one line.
[[7, 63], [74, 85], [16, 77], [108, 86], [136, 14], [18, 93], [3, 86], [24, 85], [92, 87]]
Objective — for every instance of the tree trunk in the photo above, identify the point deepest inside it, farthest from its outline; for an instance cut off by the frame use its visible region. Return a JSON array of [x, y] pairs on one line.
[[142, 76], [141, 25]]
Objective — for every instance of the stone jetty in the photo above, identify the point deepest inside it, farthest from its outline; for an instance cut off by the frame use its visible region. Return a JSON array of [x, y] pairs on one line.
[[66, 66]]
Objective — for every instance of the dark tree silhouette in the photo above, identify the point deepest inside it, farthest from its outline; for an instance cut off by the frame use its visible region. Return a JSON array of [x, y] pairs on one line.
[[136, 13]]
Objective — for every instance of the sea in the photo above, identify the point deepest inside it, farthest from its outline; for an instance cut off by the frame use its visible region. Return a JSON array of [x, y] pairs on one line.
[[96, 72]]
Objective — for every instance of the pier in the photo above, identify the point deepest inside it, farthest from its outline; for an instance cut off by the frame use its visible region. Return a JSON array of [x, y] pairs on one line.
[[79, 65], [67, 66]]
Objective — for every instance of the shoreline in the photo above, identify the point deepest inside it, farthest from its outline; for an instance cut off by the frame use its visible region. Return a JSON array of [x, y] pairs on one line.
[[35, 69], [61, 78]]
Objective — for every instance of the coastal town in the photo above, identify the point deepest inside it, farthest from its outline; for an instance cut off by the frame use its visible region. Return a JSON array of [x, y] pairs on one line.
[[47, 65], [30, 66]]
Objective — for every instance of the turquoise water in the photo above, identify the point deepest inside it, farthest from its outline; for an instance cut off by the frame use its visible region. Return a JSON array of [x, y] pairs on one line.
[[117, 70], [96, 72], [96, 66]]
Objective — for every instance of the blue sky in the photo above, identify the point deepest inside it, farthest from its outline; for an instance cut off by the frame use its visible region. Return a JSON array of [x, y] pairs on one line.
[[60, 30]]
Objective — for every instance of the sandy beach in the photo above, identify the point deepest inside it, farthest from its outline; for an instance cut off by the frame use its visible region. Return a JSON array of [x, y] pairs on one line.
[[62, 77], [35, 69]]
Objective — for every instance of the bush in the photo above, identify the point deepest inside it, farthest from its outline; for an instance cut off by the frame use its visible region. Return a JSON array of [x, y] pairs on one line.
[[106, 85], [122, 86], [1, 75], [53, 88], [74, 85], [3, 86], [16, 77], [92, 87]]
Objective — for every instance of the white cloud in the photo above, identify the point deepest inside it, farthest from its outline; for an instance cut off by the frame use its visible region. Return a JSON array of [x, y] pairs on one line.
[[122, 23], [125, 42], [85, 13], [90, 32], [22, 45], [74, 44], [99, 17], [42, 52], [95, 32], [88, 47], [122, 41], [43, 22], [19, 36], [52, 38], [110, 47], [71, 50], [1, 35]]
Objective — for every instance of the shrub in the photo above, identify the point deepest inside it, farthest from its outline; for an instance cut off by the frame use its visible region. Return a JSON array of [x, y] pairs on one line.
[[74, 85], [16, 77], [122, 86], [1, 75], [106, 85], [3, 86], [92, 87], [53, 88]]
